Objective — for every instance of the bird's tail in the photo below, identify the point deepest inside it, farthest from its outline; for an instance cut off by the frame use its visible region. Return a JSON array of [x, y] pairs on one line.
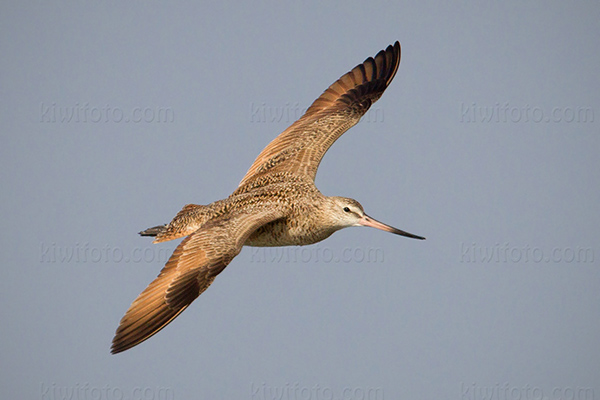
[[186, 222]]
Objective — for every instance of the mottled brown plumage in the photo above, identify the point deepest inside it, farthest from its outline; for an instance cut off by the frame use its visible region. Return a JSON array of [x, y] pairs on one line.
[[276, 204]]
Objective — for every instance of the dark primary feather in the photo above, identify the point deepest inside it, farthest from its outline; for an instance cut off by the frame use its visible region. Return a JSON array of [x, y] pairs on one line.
[[300, 148]]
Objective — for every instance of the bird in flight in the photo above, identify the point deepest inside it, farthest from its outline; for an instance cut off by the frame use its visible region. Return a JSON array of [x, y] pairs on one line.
[[275, 204]]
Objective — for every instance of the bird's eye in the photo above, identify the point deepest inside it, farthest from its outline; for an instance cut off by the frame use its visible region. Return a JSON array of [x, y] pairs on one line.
[[346, 209]]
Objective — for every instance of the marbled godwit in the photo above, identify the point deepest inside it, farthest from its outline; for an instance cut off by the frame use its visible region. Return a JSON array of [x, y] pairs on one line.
[[276, 204]]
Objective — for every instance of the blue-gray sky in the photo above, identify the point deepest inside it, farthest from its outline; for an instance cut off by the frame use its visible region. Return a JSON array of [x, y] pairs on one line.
[[116, 114]]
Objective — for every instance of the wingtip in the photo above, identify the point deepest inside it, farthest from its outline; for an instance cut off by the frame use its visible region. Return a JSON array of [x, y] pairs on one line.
[[114, 351], [116, 347], [119, 344]]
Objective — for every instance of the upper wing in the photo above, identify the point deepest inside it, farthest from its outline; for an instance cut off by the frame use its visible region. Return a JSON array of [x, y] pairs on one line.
[[300, 148], [195, 263]]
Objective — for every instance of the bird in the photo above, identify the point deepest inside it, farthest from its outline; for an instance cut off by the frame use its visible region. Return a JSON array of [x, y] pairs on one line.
[[275, 204]]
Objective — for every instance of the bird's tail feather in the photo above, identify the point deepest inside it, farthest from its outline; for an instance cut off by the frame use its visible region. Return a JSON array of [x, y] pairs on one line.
[[186, 222]]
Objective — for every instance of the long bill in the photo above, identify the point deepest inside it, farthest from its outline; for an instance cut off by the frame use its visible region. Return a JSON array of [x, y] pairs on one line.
[[373, 223]]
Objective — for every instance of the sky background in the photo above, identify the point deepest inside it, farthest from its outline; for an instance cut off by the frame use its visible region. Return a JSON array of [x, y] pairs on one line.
[[116, 114]]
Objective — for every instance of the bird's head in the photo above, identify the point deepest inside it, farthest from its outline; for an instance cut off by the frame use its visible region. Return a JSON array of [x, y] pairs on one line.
[[345, 212]]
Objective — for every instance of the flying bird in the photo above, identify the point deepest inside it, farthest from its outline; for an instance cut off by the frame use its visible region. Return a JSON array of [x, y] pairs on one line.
[[275, 204]]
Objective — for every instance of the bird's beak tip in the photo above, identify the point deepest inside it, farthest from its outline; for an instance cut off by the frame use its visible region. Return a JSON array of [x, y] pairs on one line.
[[373, 223]]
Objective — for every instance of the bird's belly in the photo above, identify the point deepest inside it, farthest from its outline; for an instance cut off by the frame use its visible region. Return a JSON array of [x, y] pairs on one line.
[[284, 233]]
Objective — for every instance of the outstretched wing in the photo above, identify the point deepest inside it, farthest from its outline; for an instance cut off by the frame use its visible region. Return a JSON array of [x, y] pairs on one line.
[[300, 148], [195, 263]]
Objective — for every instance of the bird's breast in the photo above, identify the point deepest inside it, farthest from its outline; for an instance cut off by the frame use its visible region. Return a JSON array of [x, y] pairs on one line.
[[288, 232]]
